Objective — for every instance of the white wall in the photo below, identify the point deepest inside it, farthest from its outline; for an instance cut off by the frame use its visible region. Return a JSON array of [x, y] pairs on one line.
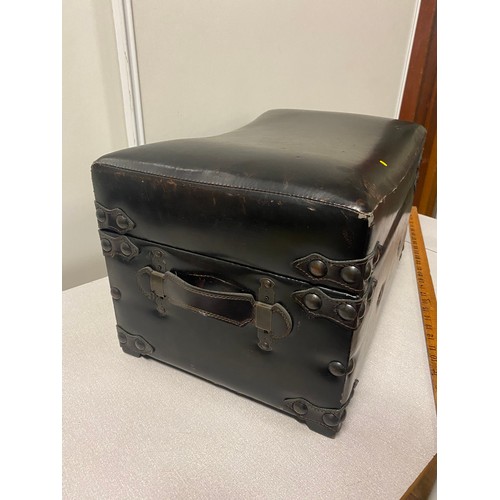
[[208, 66], [93, 124]]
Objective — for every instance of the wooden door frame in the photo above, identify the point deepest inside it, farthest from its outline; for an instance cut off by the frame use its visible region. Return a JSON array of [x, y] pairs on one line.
[[419, 103]]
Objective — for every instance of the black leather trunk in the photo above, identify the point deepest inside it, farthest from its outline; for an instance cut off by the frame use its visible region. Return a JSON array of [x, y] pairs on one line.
[[258, 259]]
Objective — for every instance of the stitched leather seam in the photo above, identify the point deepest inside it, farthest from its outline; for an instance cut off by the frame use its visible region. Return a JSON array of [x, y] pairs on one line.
[[323, 202], [290, 195], [249, 299], [217, 296], [319, 315], [302, 293], [212, 315], [191, 288]]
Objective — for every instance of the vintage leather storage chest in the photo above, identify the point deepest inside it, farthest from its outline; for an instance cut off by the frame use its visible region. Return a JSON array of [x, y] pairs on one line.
[[258, 259]]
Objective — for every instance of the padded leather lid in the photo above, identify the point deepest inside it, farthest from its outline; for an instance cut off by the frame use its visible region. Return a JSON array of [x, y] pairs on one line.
[[333, 158], [292, 182]]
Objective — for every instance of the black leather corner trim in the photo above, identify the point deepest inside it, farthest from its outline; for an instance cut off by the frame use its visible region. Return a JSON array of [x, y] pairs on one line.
[[114, 219], [120, 246], [133, 344], [333, 269], [337, 310], [326, 421]]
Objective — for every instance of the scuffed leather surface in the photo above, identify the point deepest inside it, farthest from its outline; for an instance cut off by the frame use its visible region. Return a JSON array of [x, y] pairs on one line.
[[228, 354], [331, 158]]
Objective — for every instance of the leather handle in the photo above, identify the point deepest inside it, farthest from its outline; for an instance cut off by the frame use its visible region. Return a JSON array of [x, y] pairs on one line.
[[236, 308]]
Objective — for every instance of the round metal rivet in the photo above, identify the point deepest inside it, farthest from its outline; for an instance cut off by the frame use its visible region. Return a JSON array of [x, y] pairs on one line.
[[267, 283], [101, 216], [350, 274], [140, 345], [122, 338], [347, 312], [264, 345], [299, 408], [336, 368], [122, 222], [317, 268], [330, 419], [312, 301], [106, 245], [115, 293], [125, 248]]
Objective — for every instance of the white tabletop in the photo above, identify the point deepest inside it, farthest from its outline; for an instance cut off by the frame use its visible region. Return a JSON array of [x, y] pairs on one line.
[[135, 428]]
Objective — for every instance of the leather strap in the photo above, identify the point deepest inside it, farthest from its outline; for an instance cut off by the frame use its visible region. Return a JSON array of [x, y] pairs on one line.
[[236, 308], [345, 312], [355, 281]]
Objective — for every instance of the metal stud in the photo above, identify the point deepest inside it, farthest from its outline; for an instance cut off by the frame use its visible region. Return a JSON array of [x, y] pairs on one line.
[[106, 245], [350, 274], [125, 248], [267, 283], [312, 301], [264, 345], [115, 293], [122, 338], [347, 312], [140, 345], [317, 268], [100, 214], [330, 419], [337, 369], [122, 222], [299, 407]]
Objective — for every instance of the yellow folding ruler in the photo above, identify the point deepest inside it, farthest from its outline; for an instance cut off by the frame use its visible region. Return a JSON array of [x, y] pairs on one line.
[[422, 486]]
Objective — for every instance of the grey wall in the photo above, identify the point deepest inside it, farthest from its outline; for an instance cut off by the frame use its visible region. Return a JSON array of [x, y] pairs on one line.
[[93, 124], [208, 66]]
